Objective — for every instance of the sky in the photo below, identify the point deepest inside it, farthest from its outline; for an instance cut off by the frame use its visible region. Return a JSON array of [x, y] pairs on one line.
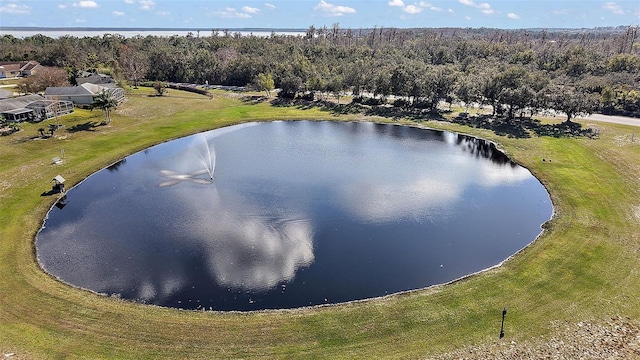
[[301, 14]]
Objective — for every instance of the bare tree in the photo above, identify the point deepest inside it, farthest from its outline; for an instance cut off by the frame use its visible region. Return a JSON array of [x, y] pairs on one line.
[[44, 78], [134, 64]]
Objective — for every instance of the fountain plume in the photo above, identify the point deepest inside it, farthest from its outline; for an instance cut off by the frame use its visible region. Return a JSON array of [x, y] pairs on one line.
[[207, 155]]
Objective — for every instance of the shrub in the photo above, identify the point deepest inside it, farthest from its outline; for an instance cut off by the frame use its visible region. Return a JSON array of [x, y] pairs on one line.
[[307, 96], [402, 103]]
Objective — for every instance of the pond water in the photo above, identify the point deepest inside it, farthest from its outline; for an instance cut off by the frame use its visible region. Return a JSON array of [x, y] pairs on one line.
[[297, 214]]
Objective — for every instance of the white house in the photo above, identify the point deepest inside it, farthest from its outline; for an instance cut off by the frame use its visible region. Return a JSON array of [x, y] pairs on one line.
[[82, 95]]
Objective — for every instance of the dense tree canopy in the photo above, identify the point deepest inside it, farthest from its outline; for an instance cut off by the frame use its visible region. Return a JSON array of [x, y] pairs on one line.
[[511, 70]]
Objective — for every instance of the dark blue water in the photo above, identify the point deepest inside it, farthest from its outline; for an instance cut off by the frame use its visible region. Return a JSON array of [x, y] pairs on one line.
[[298, 213]]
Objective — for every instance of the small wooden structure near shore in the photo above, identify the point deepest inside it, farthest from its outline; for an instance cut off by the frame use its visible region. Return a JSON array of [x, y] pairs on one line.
[[58, 184]]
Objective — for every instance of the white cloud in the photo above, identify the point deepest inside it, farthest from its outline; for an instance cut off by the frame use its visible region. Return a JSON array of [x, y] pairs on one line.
[[163, 13], [147, 4], [270, 5], [450, 11], [15, 9], [333, 10], [484, 7], [513, 16], [86, 4], [250, 10], [412, 9], [244, 13], [62, 6], [129, 1], [81, 21], [614, 8], [118, 13], [231, 13]]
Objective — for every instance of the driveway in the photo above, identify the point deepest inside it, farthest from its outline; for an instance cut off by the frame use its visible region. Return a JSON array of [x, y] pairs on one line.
[[613, 119]]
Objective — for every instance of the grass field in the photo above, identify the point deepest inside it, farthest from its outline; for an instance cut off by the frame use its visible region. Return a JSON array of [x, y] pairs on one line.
[[584, 267]]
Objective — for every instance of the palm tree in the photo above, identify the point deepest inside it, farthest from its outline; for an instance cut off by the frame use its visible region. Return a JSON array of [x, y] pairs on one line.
[[105, 101]]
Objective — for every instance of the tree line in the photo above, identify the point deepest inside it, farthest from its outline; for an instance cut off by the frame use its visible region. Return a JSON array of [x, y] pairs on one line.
[[517, 72]]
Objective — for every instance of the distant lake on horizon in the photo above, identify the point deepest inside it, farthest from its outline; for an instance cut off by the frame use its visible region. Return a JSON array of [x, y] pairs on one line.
[[298, 213]]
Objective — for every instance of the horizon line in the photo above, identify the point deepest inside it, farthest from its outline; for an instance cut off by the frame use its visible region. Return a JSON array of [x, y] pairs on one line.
[[106, 28]]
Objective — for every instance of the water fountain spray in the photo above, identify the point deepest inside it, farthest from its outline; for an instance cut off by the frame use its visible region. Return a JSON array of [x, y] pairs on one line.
[[207, 155]]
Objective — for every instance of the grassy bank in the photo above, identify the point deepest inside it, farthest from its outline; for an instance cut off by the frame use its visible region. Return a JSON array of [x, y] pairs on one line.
[[586, 265]]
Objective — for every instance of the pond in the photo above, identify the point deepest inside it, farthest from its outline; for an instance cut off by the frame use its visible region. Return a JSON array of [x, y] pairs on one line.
[[290, 214]]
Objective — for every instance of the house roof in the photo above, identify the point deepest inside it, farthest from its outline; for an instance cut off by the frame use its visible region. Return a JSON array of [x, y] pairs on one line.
[[41, 104], [67, 91], [84, 89], [93, 88], [29, 66], [94, 79], [5, 94], [18, 65], [18, 111], [10, 67], [18, 102]]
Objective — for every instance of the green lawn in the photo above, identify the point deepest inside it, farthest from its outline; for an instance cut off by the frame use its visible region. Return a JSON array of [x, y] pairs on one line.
[[585, 266]]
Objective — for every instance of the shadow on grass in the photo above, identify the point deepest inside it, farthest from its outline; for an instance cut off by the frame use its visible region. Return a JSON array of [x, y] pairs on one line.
[[392, 112], [50, 192], [524, 127], [521, 127], [88, 126], [254, 99], [564, 129]]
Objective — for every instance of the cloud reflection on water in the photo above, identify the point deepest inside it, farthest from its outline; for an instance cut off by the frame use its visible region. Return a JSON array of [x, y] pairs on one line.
[[391, 201], [241, 246], [428, 192], [254, 250], [253, 254]]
